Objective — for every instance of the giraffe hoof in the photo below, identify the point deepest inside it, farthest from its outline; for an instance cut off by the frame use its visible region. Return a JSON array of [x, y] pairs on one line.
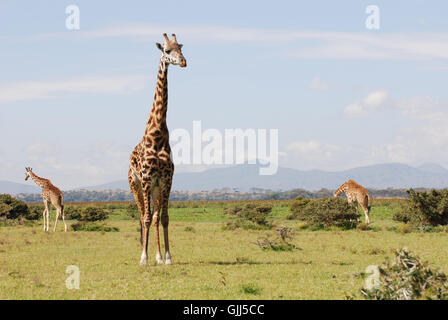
[[159, 261], [168, 261], [143, 261]]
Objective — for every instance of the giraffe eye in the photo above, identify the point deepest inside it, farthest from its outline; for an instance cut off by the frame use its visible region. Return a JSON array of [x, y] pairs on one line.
[[167, 51]]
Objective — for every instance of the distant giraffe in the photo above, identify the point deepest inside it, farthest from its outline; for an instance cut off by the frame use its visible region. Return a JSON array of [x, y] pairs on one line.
[[151, 168], [49, 193], [356, 193]]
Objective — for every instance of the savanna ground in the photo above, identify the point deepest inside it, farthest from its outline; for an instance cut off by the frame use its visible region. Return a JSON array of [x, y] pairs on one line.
[[208, 262]]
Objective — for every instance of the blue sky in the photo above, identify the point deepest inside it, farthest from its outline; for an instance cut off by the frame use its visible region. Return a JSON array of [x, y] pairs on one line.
[[73, 104]]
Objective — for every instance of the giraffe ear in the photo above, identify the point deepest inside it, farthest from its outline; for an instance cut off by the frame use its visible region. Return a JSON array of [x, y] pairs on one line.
[[159, 46], [180, 45]]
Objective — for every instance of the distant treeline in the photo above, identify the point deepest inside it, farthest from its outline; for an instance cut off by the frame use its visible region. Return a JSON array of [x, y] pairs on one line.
[[215, 195]]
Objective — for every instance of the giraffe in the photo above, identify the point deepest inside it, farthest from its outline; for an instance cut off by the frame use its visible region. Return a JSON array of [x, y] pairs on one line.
[[49, 193], [356, 193], [150, 166]]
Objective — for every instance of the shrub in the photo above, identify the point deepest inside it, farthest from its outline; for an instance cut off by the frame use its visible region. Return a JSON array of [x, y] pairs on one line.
[[36, 212], [425, 208], [132, 210], [251, 288], [4, 209], [72, 212], [93, 226], [302, 225], [252, 216], [297, 207], [363, 227], [93, 214], [329, 212], [404, 228], [232, 210], [408, 278], [18, 209]]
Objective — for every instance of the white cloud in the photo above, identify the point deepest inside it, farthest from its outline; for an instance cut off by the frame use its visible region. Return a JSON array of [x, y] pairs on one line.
[[296, 43], [31, 90], [373, 101], [318, 84]]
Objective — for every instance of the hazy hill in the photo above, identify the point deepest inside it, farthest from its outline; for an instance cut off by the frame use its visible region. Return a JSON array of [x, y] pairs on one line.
[[244, 177], [14, 188]]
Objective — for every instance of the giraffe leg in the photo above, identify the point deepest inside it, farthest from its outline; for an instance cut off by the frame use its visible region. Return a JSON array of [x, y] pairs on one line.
[[366, 213], [44, 213], [155, 218], [165, 223], [136, 188], [57, 217], [63, 218], [146, 219], [48, 219]]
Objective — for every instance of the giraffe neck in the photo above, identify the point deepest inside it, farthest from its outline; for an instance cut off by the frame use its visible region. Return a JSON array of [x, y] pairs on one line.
[[157, 117], [38, 180], [341, 189]]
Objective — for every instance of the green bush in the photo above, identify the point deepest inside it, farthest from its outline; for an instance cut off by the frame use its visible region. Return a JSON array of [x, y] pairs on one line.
[[297, 207], [428, 208], [4, 209], [92, 214], [132, 210], [329, 212], [36, 212], [93, 227], [252, 216], [408, 278], [18, 209], [72, 212]]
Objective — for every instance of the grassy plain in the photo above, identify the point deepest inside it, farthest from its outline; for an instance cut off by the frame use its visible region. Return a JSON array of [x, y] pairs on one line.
[[208, 262]]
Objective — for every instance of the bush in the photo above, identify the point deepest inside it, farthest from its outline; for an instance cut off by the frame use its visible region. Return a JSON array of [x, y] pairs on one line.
[[93, 227], [232, 210], [72, 212], [252, 216], [4, 209], [92, 214], [132, 210], [408, 278], [18, 209], [404, 228], [329, 212], [297, 207], [36, 212], [425, 208]]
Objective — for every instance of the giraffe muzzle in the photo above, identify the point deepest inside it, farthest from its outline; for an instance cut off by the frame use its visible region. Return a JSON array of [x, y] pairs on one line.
[[183, 63]]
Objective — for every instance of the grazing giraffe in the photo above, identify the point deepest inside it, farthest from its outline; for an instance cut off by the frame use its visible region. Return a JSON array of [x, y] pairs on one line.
[[356, 193], [49, 193], [151, 168]]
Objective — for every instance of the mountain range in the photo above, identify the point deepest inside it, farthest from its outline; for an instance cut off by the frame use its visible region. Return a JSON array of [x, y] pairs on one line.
[[245, 177]]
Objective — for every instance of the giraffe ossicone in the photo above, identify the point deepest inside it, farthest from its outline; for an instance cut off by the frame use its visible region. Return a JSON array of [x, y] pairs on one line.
[[151, 168]]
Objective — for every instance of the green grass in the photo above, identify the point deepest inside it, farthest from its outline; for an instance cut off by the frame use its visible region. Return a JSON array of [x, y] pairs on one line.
[[209, 263]]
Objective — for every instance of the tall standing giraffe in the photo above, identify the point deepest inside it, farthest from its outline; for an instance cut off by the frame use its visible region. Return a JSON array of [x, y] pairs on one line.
[[49, 193], [356, 193], [151, 168]]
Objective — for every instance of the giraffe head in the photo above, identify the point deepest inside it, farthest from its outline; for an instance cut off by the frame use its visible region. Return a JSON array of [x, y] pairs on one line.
[[28, 171], [172, 51]]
